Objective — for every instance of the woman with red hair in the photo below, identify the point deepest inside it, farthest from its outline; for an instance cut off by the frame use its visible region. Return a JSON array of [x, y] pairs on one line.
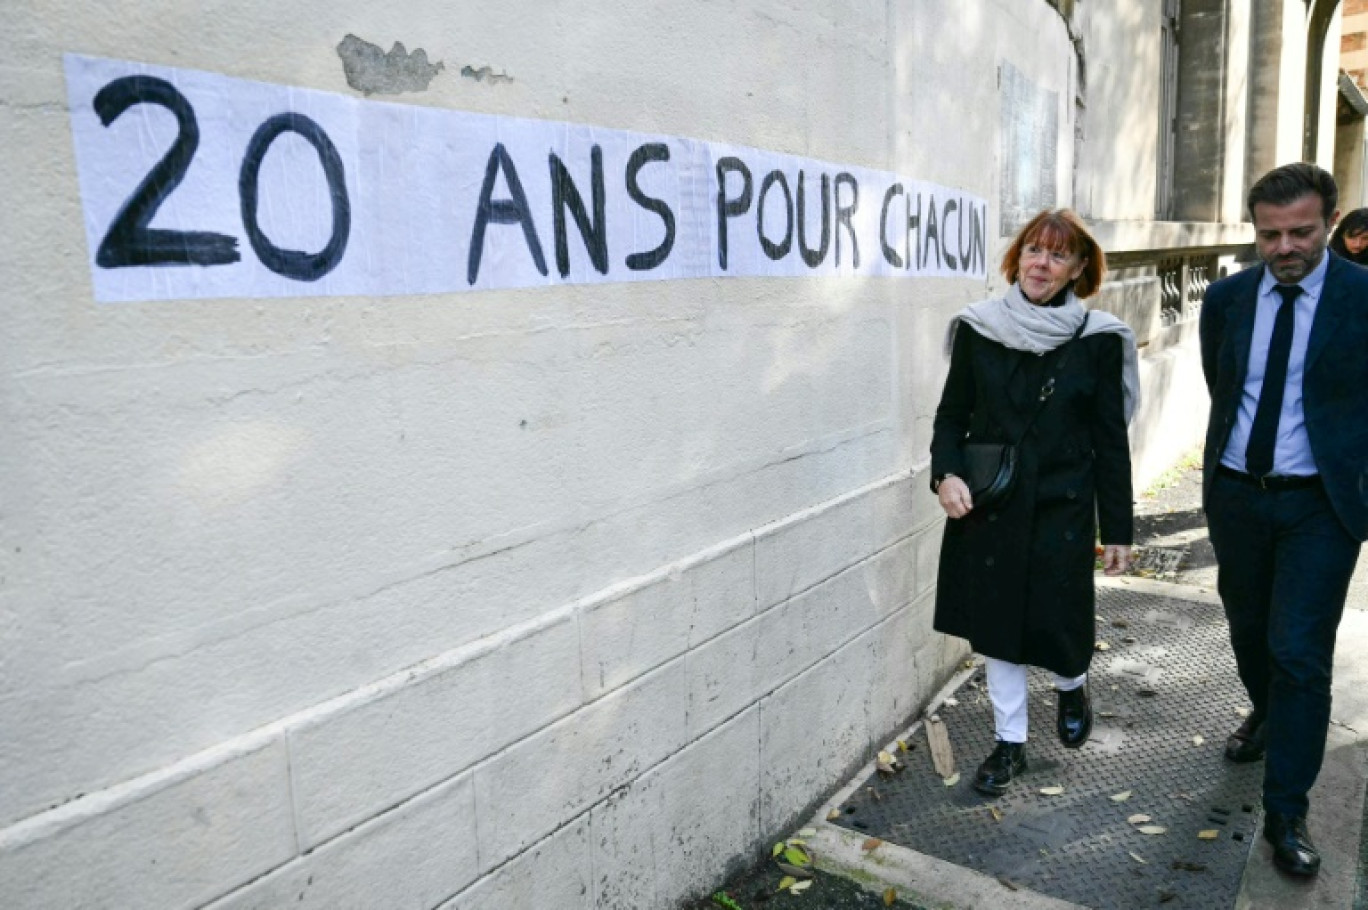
[[1037, 369]]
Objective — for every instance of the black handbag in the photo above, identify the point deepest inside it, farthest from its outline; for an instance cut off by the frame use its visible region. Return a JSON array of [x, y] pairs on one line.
[[991, 468]]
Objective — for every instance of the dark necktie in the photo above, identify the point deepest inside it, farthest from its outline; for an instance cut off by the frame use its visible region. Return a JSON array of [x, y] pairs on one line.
[[1263, 436]]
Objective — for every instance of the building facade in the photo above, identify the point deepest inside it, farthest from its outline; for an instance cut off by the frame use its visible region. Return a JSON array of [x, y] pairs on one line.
[[475, 454], [1352, 105]]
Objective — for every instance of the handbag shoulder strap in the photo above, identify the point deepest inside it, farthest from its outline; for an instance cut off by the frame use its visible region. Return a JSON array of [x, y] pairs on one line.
[[1047, 388]]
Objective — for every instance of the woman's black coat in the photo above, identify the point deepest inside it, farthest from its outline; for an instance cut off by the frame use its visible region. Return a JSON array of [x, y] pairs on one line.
[[1017, 582]]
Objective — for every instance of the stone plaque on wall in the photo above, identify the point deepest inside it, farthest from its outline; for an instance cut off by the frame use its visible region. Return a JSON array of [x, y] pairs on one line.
[[1030, 128]]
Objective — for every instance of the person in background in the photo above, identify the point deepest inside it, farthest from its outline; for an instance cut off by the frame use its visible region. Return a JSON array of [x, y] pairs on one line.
[[1285, 481], [1350, 239], [1016, 580]]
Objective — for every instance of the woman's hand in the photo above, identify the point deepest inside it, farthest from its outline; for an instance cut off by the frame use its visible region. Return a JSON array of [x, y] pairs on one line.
[[954, 496], [1115, 558]]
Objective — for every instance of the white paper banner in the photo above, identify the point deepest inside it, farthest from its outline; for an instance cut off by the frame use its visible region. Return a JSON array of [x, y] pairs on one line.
[[199, 185]]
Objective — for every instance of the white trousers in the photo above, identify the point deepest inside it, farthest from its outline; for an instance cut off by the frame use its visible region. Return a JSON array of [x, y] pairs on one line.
[[1007, 690]]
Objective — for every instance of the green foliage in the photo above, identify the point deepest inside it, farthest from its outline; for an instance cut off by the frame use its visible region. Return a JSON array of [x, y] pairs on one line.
[[1191, 461], [724, 900]]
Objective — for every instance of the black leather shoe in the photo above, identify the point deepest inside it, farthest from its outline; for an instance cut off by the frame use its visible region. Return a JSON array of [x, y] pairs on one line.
[[1075, 719], [1246, 744], [1293, 851], [996, 773]]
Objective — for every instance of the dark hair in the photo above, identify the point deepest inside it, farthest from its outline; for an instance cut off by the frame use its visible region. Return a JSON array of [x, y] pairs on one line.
[[1059, 229], [1351, 225], [1285, 185]]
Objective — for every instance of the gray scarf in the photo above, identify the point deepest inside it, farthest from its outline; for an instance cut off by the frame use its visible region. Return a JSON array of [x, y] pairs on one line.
[[1014, 322]]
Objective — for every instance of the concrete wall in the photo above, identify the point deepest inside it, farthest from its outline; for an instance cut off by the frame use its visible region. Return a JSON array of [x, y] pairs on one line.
[[1278, 74], [1121, 125], [1235, 123], [567, 596], [1349, 163], [1349, 133], [1329, 93], [1277, 96]]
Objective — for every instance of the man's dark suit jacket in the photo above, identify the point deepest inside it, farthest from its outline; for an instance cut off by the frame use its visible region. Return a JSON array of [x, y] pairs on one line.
[[1334, 385]]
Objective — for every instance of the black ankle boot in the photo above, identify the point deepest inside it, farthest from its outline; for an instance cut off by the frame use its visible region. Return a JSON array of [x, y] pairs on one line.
[[1075, 721], [1293, 851], [996, 773]]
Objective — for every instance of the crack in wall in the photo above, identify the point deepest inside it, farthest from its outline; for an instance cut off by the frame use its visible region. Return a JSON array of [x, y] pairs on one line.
[[485, 73]]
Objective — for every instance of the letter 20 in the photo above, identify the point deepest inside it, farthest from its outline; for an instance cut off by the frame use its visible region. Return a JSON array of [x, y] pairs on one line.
[[131, 242]]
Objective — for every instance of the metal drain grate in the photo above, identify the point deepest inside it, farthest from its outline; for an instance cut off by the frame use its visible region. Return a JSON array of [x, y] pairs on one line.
[[1159, 562], [1168, 678]]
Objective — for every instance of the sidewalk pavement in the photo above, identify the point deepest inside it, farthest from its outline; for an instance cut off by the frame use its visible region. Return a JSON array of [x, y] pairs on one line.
[[1175, 565]]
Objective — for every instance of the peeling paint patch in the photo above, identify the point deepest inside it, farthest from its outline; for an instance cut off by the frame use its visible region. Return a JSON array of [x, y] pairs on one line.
[[373, 72], [483, 73]]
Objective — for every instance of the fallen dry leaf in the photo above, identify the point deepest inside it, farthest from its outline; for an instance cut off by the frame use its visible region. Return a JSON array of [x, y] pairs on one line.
[[1051, 791], [1101, 646], [884, 767], [1152, 829], [1138, 858], [887, 757], [1138, 819], [1242, 712], [1007, 883], [872, 843], [800, 887], [1120, 797], [1120, 624], [807, 832], [833, 815], [1208, 834], [890, 897], [1197, 740], [951, 702], [995, 812], [952, 779]]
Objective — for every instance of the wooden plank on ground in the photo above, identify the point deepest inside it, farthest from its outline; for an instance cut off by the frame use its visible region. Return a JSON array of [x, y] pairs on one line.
[[942, 756]]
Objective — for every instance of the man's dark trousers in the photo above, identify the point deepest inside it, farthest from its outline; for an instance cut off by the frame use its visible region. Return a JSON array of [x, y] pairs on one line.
[[1285, 562], [1286, 555]]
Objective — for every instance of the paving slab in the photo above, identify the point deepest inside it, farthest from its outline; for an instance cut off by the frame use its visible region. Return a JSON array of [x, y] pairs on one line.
[[1165, 695], [1337, 800], [1182, 582], [945, 847]]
